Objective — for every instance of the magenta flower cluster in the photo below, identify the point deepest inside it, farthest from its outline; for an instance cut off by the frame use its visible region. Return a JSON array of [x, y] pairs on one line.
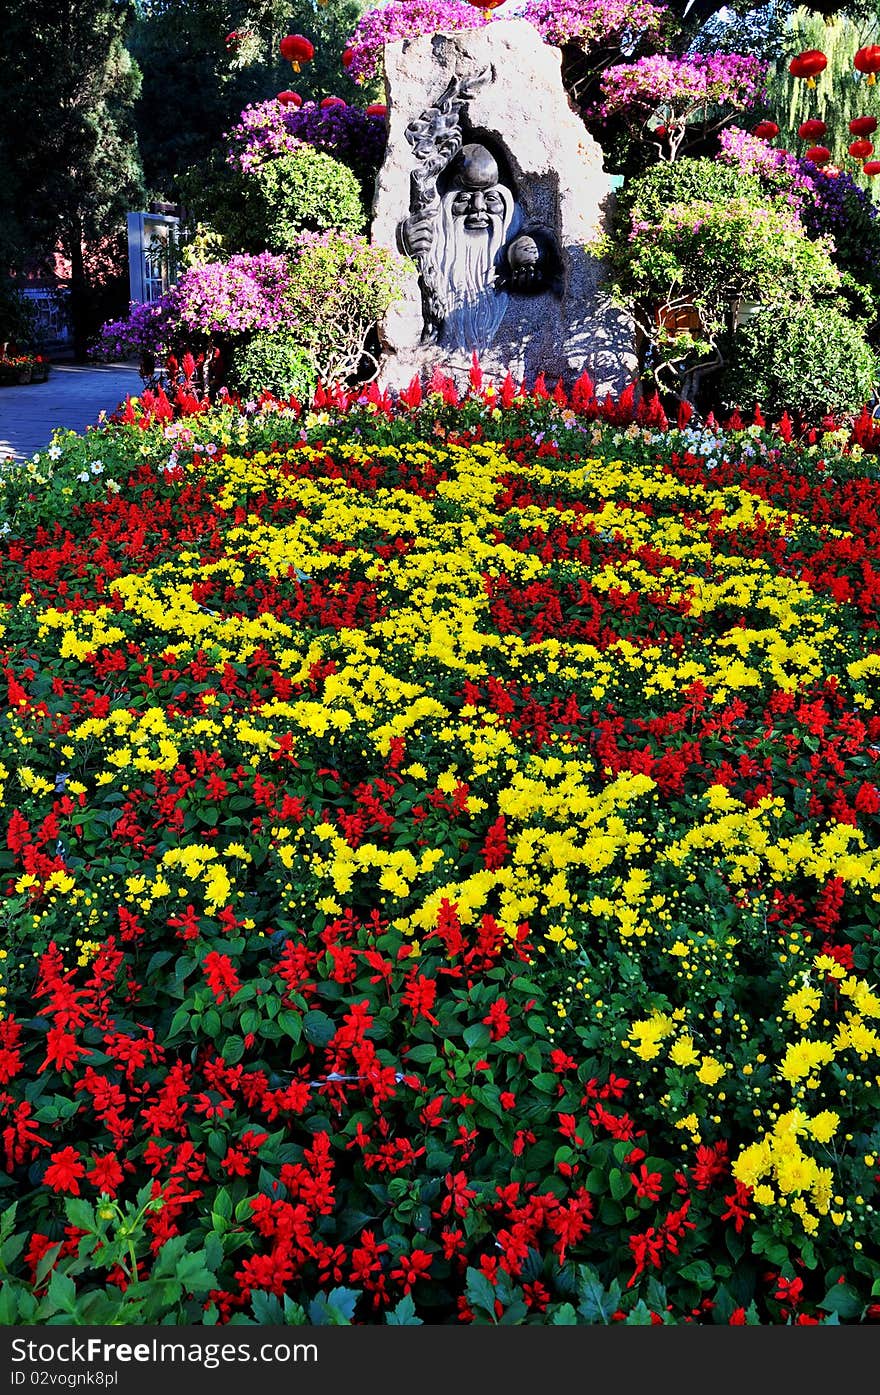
[[682, 84], [593, 23], [266, 130], [245, 294], [828, 202], [146, 329], [405, 19]]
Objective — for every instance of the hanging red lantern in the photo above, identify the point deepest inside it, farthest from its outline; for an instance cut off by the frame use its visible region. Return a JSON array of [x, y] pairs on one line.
[[766, 130], [812, 129], [297, 50], [871, 167], [863, 125], [347, 56], [861, 149], [819, 154], [290, 99], [808, 65], [377, 109], [327, 102], [867, 60], [486, 4]]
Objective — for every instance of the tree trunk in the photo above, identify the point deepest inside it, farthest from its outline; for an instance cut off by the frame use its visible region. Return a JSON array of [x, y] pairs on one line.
[[79, 290]]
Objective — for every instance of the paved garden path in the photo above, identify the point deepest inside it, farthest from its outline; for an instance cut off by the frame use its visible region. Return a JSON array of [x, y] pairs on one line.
[[73, 396]]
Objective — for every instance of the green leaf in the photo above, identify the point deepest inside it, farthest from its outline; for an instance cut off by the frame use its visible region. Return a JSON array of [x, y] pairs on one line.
[[62, 1292], [619, 1183], [596, 1304], [477, 1035], [843, 1300], [404, 1315], [318, 1028], [480, 1292], [291, 1023]]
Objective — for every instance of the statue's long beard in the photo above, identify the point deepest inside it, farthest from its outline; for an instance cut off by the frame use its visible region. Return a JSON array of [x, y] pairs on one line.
[[464, 275]]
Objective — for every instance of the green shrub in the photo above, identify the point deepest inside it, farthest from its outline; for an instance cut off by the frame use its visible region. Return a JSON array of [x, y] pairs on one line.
[[647, 197], [720, 254], [306, 191], [811, 358], [339, 288], [274, 362]]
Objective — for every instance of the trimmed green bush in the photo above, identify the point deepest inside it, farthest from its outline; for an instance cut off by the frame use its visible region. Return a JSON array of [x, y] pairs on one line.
[[647, 198], [339, 288], [274, 361], [808, 357], [307, 191]]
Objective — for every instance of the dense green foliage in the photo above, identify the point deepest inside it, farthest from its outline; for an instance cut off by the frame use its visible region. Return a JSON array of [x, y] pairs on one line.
[[813, 357], [273, 362], [307, 190], [69, 163]]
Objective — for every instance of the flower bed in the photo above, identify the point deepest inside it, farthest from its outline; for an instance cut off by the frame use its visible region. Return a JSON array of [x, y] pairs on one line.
[[23, 368], [441, 869]]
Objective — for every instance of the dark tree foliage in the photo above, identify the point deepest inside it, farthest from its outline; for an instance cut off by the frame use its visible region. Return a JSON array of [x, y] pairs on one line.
[[69, 166], [195, 83]]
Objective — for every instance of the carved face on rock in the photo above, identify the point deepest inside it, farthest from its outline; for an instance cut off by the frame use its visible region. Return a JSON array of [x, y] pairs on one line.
[[477, 193]]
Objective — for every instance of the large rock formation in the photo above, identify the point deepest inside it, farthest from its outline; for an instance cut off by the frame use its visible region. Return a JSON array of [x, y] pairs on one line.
[[494, 188]]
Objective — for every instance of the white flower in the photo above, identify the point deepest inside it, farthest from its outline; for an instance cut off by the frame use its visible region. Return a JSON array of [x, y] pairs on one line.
[[97, 467], [84, 476], [53, 452], [113, 486]]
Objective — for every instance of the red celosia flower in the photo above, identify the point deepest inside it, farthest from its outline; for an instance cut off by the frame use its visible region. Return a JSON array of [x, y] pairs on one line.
[[106, 1175], [220, 976], [411, 1268], [65, 1171]]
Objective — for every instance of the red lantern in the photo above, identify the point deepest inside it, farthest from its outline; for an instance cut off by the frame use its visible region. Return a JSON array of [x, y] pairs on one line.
[[867, 60], [766, 130], [871, 167], [819, 154], [347, 56], [863, 125], [332, 102], [297, 50], [377, 109], [812, 129], [861, 149], [290, 99], [486, 4], [808, 65]]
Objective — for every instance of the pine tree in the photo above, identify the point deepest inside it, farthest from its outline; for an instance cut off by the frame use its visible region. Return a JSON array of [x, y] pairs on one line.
[[69, 149]]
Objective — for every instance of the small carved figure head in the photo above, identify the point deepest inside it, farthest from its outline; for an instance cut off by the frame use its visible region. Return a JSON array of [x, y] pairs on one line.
[[523, 252]]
